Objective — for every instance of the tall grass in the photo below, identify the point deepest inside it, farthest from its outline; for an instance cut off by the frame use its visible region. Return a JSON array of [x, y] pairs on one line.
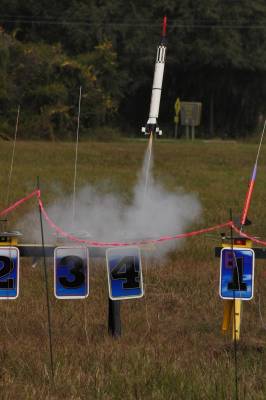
[[171, 346]]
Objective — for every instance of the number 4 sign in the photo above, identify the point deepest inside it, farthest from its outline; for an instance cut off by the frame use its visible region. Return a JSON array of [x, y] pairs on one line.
[[124, 273]]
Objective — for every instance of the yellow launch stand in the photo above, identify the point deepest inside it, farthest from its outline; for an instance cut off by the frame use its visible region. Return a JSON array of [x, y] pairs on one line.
[[232, 308], [9, 238]]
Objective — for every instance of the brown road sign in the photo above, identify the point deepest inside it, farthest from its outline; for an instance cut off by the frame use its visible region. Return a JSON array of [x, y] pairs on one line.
[[190, 113]]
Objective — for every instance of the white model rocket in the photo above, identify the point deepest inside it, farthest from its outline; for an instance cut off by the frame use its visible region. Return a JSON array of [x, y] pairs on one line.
[[151, 126]]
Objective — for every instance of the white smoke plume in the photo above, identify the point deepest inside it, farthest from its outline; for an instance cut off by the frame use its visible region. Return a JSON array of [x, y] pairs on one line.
[[153, 212]]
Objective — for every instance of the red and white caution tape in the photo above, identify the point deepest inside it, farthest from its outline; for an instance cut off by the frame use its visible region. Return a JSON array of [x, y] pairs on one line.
[[161, 239], [19, 202], [94, 243]]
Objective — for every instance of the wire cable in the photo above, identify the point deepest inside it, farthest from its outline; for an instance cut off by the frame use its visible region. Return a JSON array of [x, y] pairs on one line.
[[76, 157], [147, 24], [12, 158]]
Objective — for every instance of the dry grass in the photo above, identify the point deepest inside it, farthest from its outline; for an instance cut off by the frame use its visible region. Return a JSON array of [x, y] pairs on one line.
[[171, 347]]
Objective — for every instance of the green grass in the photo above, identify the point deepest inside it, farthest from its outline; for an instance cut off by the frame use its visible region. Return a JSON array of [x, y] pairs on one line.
[[171, 347]]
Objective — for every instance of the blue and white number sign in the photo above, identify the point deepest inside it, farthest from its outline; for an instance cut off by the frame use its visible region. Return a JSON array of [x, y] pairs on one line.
[[237, 273], [9, 273], [124, 273], [71, 272]]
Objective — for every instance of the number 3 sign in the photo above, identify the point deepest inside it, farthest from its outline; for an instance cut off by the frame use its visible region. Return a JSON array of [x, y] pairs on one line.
[[71, 272], [124, 273]]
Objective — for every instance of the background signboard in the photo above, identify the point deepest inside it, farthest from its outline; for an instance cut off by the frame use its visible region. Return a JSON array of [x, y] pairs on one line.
[[9, 273], [71, 272], [237, 273], [124, 273], [190, 113]]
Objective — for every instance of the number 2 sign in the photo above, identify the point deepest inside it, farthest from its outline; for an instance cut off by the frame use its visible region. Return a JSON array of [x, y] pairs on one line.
[[9, 273], [71, 272], [124, 273]]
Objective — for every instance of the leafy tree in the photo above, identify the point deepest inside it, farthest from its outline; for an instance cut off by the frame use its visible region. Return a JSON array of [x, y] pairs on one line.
[[216, 55], [45, 81]]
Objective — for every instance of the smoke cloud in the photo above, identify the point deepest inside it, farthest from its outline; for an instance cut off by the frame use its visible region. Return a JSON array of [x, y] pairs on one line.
[[153, 212]]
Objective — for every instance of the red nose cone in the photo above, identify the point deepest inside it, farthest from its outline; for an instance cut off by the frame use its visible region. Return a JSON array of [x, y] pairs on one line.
[[164, 26]]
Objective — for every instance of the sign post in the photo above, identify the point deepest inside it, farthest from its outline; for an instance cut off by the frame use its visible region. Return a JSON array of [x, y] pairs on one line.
[[176, 118], [114, 318]]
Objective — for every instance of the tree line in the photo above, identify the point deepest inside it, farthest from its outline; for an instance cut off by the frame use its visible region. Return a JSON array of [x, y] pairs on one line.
[[216, 55]]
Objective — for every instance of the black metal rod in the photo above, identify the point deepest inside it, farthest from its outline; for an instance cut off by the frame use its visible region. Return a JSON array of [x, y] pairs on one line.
[[114, 318], [47, 293]]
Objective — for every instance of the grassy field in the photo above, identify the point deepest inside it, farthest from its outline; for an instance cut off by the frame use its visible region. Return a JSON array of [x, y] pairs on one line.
[[171, 346]]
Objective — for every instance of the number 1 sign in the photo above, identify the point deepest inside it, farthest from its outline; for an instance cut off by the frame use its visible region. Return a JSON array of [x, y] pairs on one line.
[[124, 273], [71, 273], [237, 273]]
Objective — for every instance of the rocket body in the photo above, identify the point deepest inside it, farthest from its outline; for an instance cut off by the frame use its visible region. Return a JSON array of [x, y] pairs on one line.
[[152, 126], [157, 85]]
